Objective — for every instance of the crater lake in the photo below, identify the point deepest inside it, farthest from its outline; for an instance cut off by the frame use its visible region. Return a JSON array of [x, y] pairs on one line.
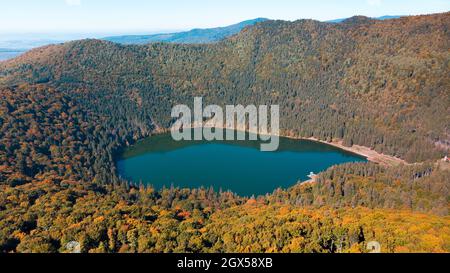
[[238, 166]]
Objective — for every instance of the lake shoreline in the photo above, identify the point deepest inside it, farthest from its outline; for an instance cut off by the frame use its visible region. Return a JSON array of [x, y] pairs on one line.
[[370, 154], [239, 166], [363, 151]]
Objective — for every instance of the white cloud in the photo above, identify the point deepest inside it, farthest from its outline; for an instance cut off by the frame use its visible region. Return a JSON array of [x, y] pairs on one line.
[[374, 3], [73, 2]]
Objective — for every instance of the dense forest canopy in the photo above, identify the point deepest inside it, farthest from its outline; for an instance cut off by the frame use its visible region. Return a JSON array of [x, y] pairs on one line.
[[67, 109]]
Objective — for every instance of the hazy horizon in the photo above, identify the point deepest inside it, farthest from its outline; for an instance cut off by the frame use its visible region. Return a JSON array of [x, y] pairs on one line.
[[114, 17]]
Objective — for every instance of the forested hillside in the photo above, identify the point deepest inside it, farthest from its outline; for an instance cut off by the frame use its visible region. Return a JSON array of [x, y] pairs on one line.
[[66, 110], [381, 84], [48, 214]]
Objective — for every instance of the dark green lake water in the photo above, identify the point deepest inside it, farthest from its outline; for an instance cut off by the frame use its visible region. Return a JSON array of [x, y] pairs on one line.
[[238, 166]]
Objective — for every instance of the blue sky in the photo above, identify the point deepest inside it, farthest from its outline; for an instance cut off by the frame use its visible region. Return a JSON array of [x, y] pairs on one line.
[[122, 16]]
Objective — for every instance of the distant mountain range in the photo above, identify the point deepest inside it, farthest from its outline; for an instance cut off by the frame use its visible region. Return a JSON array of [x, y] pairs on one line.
[[7, 53], [195, 36], [202, 36], [12, 48]]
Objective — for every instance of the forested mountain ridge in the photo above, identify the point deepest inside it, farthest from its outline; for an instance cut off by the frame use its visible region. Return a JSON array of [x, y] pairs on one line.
[[67, 109], [381, 84]]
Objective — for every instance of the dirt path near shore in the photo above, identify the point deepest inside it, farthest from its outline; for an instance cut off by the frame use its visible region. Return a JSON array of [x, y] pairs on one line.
[[371, 155]]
